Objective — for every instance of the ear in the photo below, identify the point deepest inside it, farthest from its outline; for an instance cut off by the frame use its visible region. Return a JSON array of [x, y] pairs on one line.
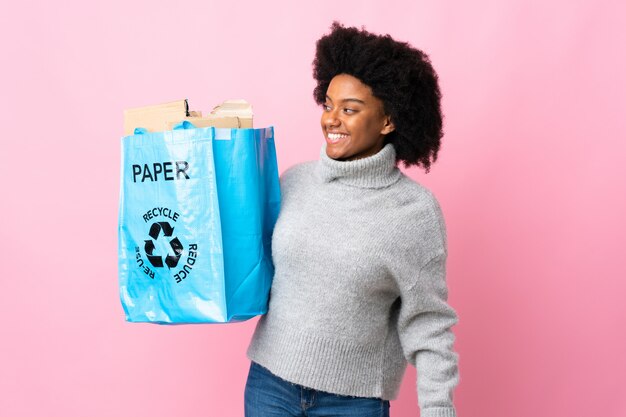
[[388, 127]]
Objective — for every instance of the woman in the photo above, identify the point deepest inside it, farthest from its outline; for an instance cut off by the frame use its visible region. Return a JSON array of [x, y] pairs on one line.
[[359, 248]]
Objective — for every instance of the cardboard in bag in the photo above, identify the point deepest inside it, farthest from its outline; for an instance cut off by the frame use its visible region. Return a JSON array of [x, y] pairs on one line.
[[231, 113], [154, 118], [157, 118]]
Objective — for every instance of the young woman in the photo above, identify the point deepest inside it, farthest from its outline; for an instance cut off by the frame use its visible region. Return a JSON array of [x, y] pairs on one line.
[[359, 248]]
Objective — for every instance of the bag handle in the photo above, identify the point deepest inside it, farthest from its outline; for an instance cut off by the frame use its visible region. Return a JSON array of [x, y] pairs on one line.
[[184, 125]]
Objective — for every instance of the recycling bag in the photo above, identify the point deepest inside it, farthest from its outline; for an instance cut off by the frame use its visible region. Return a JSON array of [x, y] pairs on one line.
[[197, 211]]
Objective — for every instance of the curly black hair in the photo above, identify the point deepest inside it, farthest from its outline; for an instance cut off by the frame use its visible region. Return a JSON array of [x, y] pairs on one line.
[[399, 75]]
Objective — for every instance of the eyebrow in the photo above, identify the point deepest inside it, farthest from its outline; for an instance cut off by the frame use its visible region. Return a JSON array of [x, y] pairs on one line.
[[347, 99]]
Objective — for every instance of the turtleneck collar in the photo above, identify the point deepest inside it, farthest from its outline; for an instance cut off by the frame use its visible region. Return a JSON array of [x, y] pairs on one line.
[[375, 171]]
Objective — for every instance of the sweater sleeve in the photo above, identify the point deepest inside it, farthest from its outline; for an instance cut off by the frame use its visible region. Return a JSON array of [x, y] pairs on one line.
[[424, 325]]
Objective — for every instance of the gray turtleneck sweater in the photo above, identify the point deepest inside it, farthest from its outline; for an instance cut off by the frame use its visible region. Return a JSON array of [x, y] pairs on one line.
[[359, 289]]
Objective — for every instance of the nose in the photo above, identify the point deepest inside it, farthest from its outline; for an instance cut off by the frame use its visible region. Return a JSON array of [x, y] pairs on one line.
[[331, 119]]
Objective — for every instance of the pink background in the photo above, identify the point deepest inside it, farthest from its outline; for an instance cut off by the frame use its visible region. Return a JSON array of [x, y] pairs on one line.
[[531, 179]]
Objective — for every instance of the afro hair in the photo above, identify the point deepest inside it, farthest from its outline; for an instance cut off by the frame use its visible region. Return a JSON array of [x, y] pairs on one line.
[[399, 75]]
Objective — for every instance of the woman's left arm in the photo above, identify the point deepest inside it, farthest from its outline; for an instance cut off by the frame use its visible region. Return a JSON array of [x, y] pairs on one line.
[[424, 326]]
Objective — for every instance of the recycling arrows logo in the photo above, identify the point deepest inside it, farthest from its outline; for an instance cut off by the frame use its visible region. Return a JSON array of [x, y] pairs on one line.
[[163, 230]]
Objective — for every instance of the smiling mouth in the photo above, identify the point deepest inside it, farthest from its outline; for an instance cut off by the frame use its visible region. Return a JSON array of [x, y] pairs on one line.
[[336, 137]]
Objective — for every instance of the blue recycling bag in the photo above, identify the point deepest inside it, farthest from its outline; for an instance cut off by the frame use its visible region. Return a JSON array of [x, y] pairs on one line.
[[197, 211]]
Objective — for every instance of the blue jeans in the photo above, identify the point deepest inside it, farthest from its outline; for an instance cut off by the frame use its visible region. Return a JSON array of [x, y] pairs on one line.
[[267, 395]]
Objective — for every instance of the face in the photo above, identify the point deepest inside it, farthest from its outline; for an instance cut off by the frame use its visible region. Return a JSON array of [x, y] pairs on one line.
[[353, 121]]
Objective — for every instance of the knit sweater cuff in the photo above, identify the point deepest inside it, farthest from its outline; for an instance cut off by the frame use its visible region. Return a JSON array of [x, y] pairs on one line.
[[438, 412]]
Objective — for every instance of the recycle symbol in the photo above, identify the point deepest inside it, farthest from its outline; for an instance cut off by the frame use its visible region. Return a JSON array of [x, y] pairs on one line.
[[157, 260]]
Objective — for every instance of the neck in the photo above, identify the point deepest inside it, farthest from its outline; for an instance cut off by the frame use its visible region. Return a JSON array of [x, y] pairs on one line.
[[375, 171]]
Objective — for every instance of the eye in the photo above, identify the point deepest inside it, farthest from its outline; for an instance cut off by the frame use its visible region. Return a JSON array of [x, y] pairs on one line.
[[349, 111], [326, 107]]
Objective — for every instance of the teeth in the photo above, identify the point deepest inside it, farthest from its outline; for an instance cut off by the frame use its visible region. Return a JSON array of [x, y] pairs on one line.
[[336, 136]]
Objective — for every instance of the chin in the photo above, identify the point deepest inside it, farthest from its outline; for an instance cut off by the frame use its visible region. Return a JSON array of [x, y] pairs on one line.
[[339, 153], [339, 156]]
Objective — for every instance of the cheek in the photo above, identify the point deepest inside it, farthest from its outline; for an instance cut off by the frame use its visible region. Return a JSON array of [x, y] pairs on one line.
[[366, 130], [361, 126], [373, 125]]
